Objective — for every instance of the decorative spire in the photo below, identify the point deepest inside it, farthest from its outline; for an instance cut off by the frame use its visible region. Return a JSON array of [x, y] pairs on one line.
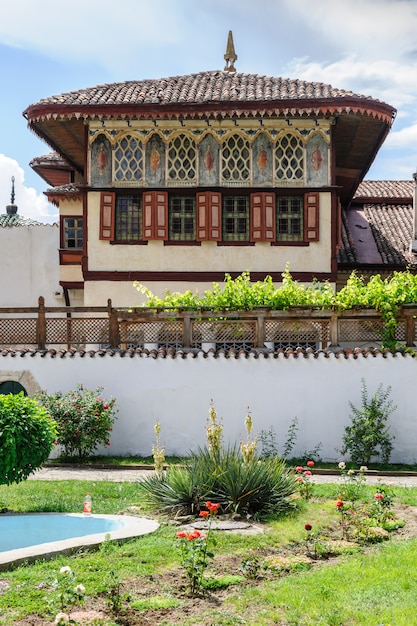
[[12, 207], [230, 57]]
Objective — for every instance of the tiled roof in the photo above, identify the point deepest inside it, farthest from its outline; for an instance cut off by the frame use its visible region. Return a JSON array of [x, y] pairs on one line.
[[211, 86], [70, 189], [7, 219], [383, 211], [391, 226], [388, 189], [189, 353], [52, 159]]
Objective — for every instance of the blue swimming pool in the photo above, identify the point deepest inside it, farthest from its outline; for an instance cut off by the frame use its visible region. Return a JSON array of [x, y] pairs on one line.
[[27, 537], [21, 531]]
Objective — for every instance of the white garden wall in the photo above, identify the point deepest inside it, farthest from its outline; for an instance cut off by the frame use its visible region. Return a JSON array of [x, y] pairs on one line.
[[177, 391]]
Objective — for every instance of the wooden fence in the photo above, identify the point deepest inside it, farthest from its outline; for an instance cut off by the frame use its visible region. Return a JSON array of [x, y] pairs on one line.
[[107, 327]]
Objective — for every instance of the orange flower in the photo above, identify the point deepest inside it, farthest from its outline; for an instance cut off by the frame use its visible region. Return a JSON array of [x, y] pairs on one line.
[[212, 507], [204, 513], [195, 535], [182, 534], [310, 463]]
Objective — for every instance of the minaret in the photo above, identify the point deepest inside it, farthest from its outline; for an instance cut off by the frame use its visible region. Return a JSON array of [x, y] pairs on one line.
[[11, 208], [413, 243], [230, 57]]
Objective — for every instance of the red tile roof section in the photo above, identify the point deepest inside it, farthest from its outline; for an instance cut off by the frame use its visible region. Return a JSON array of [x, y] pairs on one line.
[[214, 87], [387, 189]]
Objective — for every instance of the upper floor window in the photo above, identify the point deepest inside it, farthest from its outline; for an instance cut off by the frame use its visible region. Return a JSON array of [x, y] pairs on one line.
[[235, 166], [182, 218], [128, 218], [182, 159], [290, 218], [128, 159], [236, 218], [73, 232], [289, 159]]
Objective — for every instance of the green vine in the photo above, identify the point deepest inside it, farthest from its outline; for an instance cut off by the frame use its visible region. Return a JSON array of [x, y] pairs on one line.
[[238, 294]]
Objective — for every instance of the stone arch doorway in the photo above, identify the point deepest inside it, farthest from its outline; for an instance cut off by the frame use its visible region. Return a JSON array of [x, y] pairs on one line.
[[11, 386]]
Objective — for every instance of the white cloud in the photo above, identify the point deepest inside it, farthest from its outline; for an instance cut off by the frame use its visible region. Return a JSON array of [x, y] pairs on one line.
[[30, 204], [404, 138], [388, 81], [375, 29]]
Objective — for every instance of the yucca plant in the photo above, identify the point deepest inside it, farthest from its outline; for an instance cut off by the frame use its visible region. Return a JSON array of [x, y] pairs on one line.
[[249, 487], [254, 485]]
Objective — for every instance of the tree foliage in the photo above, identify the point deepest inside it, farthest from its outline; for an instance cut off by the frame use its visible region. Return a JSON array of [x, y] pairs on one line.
[[27, 436]]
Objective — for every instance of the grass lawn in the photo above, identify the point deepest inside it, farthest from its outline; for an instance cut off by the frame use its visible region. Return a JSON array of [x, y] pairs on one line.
[[255, 579]]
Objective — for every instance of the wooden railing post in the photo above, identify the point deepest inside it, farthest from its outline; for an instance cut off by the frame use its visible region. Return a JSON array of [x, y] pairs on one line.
[[334, 330], [186, 330], [409, 330], [261, 330], [41, 324], [114, 333]]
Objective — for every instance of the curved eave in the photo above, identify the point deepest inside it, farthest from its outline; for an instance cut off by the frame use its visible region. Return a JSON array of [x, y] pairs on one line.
[[270, 108]]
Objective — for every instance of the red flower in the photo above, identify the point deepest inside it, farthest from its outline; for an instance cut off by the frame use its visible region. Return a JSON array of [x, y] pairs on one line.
[[107, 443], [379, 496], [300, 479], [340, 504], [308, 526], [212, 507], [182, 534], [105, 406], [195, 535], [307, 473], [310, 463], [299, 468], [204, 513]]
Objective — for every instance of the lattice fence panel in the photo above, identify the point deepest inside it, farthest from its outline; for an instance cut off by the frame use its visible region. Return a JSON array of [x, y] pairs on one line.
[[227, 332], [17, 331], [136, 334], [401, 331], [304, 333], [77, 331], [366, 330]]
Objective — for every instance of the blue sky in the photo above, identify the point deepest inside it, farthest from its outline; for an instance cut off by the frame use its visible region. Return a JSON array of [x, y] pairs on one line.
[[50, 47]]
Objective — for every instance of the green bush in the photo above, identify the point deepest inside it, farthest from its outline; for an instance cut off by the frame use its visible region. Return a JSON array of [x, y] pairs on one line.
[[84, 419], [27, 436], [368, 435]]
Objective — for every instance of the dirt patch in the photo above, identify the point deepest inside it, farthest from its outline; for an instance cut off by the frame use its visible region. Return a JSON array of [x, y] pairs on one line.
[[173, 584]]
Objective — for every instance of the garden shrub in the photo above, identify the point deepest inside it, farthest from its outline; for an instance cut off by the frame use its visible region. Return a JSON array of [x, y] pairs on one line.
[[27, 436], [84, 419], [368, 435]]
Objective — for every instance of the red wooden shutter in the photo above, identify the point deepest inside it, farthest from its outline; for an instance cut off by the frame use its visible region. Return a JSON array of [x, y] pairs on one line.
[[155, 214], [262, 216], [209, 216], [107, 207], [311, 216]]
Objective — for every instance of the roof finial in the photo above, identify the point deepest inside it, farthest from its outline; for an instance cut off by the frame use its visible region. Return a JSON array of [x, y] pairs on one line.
[[12, 207], [230, 57]]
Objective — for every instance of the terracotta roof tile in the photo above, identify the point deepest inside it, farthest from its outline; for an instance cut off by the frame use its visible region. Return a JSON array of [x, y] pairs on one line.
[[387, 189], [289, 353], [7, 219], [203, 87]]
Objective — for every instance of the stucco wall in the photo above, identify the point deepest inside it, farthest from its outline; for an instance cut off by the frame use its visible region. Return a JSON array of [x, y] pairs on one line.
[[155, 256], [177, 392], [29, 265]]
